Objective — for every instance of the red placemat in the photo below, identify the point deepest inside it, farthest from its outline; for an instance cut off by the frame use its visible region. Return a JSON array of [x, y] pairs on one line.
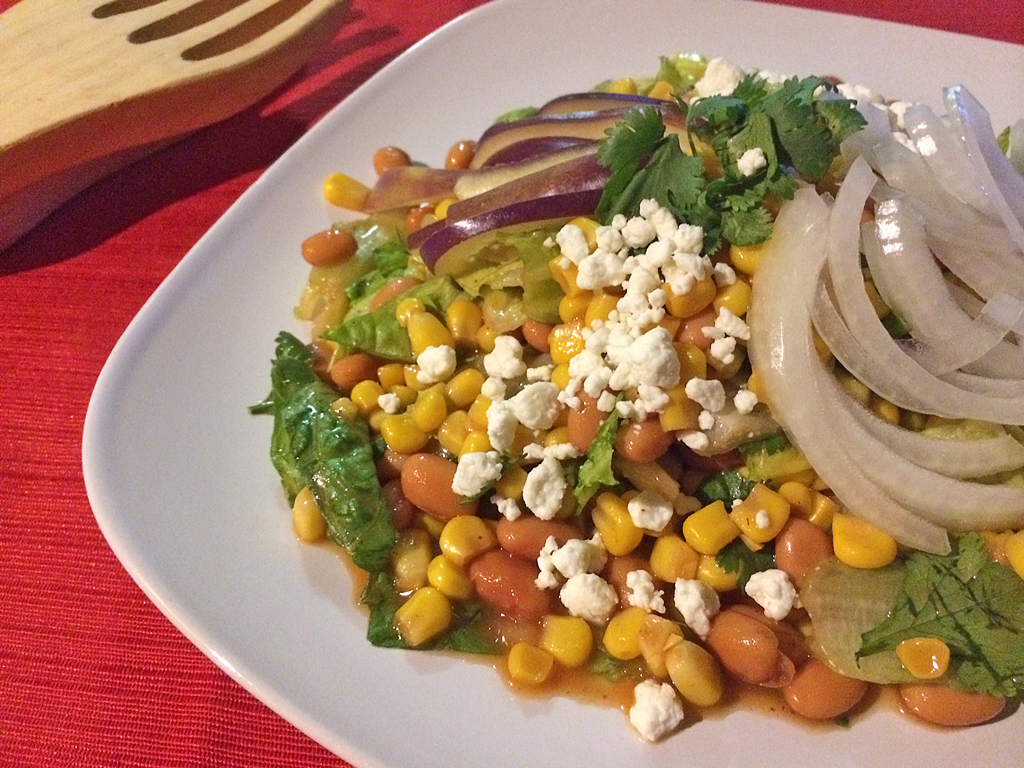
[[91, 674]]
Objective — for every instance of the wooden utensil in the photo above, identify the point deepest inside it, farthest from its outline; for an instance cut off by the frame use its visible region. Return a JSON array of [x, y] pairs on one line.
[[88, 86]]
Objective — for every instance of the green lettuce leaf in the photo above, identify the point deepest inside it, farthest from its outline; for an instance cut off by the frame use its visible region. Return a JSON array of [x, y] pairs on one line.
[[596, 470]]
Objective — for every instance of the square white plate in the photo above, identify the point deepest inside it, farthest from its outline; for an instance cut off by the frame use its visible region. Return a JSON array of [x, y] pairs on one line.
[[178, 474]]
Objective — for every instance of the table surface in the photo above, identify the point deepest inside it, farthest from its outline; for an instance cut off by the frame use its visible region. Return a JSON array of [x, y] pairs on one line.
[[90, 672]]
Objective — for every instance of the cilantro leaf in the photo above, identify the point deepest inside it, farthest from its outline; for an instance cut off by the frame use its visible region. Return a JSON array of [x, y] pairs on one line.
[[972, 604], [596, 469], [736, 557], [748, 227], [725, 486], [625, 146]]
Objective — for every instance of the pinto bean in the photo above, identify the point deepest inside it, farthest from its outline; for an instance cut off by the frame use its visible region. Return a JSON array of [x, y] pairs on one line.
[[749, 650], [691, 331], [389, 465], [947, 706], [536, 335], [396, 287], [584, 422], [402, 510], [508, 584], [818, 693], [616, 570], [427, 483], [643, 441], [800, 547], [350, 370], [524, 536], [328, 248]]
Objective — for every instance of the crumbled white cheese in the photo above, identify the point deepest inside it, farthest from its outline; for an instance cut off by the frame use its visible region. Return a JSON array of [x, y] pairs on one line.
[[650, 510], [732, 324], [476, 471], [761, 520], [548, 577], [694, 440], [708, 393], [536, 405], [751, 161], [435, 364], [501, 425], [506, 361], [540, 373], [606, 402], [723, 350], [509, 508], [698, 603], [493, 388], [545, 486], [643, 593], [724, 275], [560, 451], [706, 420], [720, 79], [600, 269], [773, 591], [656, 710], [859, 93], [580, 556], [589, 596], [389, 403], [572, 242], [744, 400]]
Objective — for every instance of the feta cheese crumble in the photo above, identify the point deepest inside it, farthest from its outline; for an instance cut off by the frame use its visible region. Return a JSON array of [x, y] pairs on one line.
[[698, 603], [435, 364], [475, 472], [589, 596], [656, 711], [650, 511], [773, 591], [544, 489], [389, 403], [751, 161], [506, 361], [720, 78], [642, 592]]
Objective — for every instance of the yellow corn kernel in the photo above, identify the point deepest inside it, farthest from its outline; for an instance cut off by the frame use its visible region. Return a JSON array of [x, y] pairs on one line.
[[663, 90], [560, 376], [1013, 548], [809, 504], [475, 442], [655, 634], [758, 527], [822, 349], [478, 411], [425, 615], [671, 324], [405, 308], [391, 375], [716, 577], [465, 537], [565, 276], [401, 433], [557, 436], [924, 657], [709, 529], [566, 342], [599, 308], [885, 410], [622, 635], [429, 525], [453, 430], [464, 318], [406, 395], [572, 308], [589, 227], [411, 373], [441, 209], [449, 579], [735, 298], [568, 638], [365, 394], [611, 517], [375, 418], [745, 258], [805, 476], [485, 338], [672, 558], [855, 388], [345, 192], [307, 521], [529, 664], [512, 483], [677, 416], [425, 330], [859, 544], [410, 558], [464, 386], [694, 672], [693, 301], [693, 364], [625, 85], [877, 303], [430, 409], [345, 408], [756, 385]]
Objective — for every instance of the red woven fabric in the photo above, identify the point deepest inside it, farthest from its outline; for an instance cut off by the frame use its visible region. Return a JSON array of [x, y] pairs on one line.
[[91, 674]]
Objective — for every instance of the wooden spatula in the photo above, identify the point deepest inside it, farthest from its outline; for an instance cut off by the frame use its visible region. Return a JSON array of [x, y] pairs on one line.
[[88, 86]]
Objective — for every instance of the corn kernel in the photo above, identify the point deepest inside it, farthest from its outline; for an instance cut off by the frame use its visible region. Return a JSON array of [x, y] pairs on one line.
[[430, 409], [465, 537], [568, 638], [307, 521], [406, 395], [716, 577], [410, 558], [478, 411], [485, 338], [859, 544], [572, 308], [672, 558], [411, 372], [449, 579], [512, 483], [877, 302], [677, 416], [425, 330], [756, 385], [475, 442], [464, 318], [405, 308], [589, 227], [345, 408], [565, 276], [748, 516], [566, 342], [402, 435], [1013, 547], [453, 431], [735, 298], [924, 657], [529, 664], [599, 308], [885, 410], [424, 616], [745, 258], [809, 504], [663, 90], [441, 209], [671, 324], [560, 376], [855, 388], [557, 436], [622, 635], [656, 633], [700, 295], [464, 387], [709, 529], [375, 418], [693, 364], [625, 85], [429, 525], [345, 192], [391, 375], [365, 394], [612, 519], [695, 673]]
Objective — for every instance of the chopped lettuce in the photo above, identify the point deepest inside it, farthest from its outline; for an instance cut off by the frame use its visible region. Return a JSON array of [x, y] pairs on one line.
[[596, 469]]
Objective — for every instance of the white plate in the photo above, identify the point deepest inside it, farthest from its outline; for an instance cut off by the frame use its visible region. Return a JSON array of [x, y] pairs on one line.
[[178, 473]]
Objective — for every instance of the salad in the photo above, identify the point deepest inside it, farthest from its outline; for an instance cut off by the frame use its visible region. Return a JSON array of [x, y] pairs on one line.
[[678, 387]]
